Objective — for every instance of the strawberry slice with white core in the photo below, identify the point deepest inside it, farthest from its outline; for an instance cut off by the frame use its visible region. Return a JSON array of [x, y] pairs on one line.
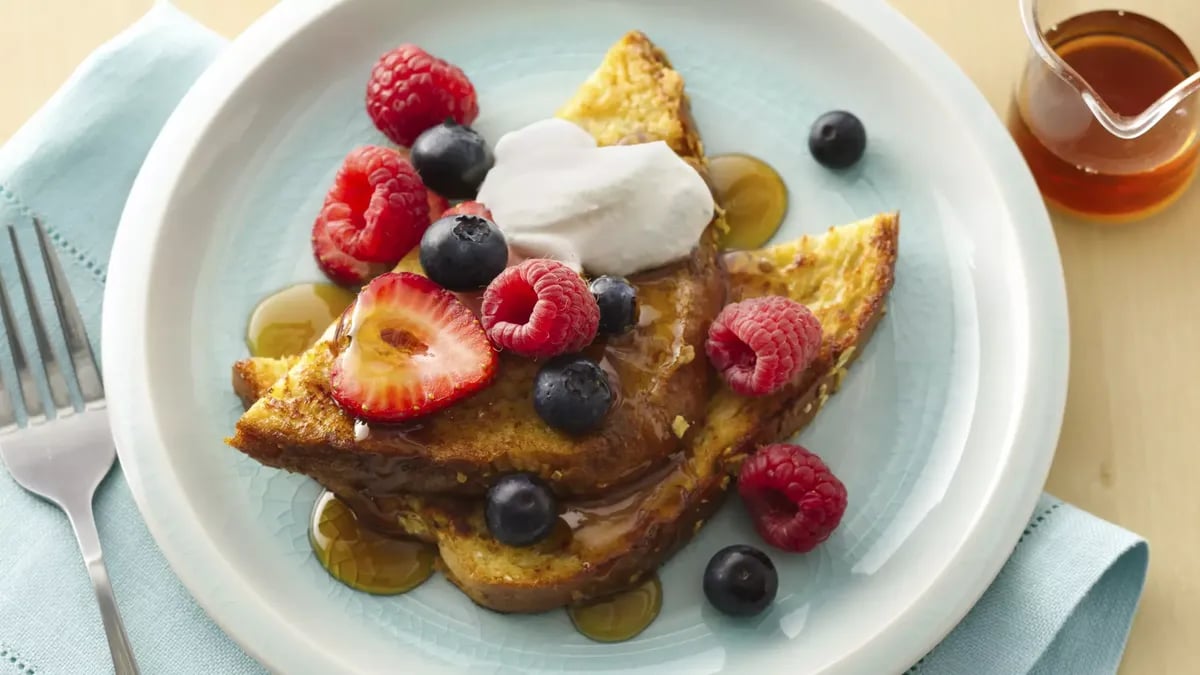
[[411, 348]]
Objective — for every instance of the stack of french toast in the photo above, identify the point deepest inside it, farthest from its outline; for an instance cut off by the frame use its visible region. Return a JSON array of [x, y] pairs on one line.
[[643, 484]]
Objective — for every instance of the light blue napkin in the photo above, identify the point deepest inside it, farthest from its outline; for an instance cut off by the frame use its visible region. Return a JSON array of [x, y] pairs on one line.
[[1061, 605]]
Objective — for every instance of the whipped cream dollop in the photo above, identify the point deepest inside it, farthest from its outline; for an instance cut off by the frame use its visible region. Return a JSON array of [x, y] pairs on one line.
[[615, 210]]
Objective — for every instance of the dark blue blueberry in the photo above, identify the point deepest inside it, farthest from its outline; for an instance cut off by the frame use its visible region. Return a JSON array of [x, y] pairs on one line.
[[452, 160], [837, 139], [572, 394], [618, 304], [521, 510], [463, 253], [740, 580]]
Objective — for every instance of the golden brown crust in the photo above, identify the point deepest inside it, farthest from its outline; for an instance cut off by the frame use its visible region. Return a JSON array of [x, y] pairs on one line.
[[653, 540], [253, 377], [296, 426], [562, 570], [843, 275]]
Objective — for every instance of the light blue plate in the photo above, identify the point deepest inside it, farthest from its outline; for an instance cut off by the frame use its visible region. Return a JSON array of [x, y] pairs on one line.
[[939, 432]]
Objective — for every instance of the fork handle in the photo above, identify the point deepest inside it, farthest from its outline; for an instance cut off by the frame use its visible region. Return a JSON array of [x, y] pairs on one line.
[[84, 523]]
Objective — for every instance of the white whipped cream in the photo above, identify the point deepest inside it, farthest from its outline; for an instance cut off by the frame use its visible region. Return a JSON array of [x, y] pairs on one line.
[[362, 431], [608, 210]]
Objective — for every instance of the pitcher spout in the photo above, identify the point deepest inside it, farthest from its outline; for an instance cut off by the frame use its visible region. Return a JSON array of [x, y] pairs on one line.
[[1104, 112]]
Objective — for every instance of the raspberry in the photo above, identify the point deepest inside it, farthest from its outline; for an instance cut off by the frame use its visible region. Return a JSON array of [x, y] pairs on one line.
[[540, 308], [377, 209], [795, 500], [410, 91], [759, 345], [469, 209], [340, 267]]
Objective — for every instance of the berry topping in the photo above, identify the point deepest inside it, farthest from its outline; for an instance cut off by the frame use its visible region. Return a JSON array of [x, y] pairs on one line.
[[740, 580], [452, 159], [463, 253], [759, 345], [794, 499], [540, 308], [521, 510], [837, 139], [377, 209], [410, 91], [409, 348], [469, 209], [617, 299], [438, 205], [572, 394], [341, 267]]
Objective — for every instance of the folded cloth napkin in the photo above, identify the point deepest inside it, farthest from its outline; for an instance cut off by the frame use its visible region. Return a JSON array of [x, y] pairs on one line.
[[1062, 604]]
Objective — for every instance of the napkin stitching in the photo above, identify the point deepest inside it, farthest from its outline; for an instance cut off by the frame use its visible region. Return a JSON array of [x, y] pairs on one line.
[[1033, 525], [23, 667], [95, 269], [1035, 522]]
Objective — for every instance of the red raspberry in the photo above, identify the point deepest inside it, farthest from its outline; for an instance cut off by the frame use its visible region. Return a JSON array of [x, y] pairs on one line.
[[469, 209], [759, 345], [377, 209], [795, 500], [540, 308], [339, 266], [410, 91]]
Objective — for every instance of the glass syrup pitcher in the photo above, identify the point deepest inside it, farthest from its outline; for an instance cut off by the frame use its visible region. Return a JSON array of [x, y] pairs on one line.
[[1104, 112]]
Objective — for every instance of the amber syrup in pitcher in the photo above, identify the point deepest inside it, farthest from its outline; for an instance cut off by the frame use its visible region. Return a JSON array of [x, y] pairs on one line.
[[1130, 61]]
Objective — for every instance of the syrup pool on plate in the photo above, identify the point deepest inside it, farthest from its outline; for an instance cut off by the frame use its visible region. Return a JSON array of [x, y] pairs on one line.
[[291, 320], [619, 617], [753, 195], [362, 558]]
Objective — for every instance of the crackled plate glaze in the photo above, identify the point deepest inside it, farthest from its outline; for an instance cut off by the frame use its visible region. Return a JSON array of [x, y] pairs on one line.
[[943, 431]]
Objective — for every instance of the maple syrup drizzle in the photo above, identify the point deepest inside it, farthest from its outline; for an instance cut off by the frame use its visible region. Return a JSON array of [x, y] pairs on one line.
[[361, 558], [619, 617], [290, 321], [753, 195]]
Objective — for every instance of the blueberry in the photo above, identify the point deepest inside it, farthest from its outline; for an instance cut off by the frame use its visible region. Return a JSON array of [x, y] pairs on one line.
[[572, 394], [452, 160], [521, 510], [837, 139], [740, 580], [618, 304], [463, 252]]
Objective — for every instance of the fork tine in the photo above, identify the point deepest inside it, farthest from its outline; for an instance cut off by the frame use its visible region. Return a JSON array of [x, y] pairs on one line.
[[83, 360], [8, 416], [30, 395], [60, 392]]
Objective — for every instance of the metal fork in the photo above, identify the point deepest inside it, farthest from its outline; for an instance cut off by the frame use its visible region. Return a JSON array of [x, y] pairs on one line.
[[63, 457]]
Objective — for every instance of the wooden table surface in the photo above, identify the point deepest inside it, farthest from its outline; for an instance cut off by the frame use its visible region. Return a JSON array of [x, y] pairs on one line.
[[1128, 450]]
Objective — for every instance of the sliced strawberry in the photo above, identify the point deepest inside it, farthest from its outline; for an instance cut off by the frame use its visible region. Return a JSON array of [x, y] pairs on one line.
[[468, 209], [377, 209], [413, 348], [341, 267]]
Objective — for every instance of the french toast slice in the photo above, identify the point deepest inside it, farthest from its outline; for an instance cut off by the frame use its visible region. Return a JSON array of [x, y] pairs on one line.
[[605, 545], [634, 96]]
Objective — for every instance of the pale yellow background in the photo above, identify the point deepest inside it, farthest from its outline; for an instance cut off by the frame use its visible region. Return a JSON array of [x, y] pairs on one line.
[[1130, 447]]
